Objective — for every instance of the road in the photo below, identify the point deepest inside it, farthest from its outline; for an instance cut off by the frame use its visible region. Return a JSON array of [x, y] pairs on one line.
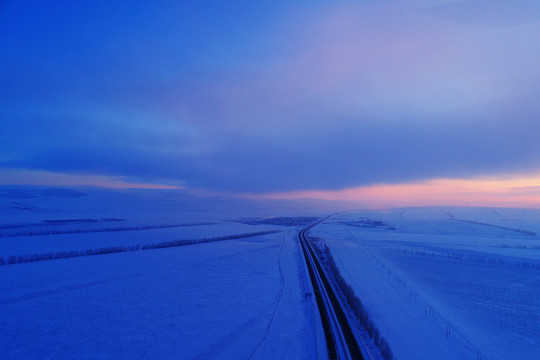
[[341, 341]]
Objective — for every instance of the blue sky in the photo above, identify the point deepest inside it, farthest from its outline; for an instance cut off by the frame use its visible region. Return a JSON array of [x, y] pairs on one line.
[[262, 97]]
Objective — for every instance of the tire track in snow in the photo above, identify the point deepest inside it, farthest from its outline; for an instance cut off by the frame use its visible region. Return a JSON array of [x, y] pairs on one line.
[[282, 278]]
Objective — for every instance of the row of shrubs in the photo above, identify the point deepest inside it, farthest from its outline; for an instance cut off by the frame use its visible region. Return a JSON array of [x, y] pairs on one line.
[[112, 229], [357, 307], [59, 222], [472, 258], [286, 221], [17, 259], [526, 232]]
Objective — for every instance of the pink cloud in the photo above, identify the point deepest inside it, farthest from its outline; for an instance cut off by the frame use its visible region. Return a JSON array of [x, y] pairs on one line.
[[47, 178]]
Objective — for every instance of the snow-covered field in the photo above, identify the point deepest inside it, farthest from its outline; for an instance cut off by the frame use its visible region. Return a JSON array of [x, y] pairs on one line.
[[44, 220], [439, 283], [439, 288], [232, 299], [23, 245]]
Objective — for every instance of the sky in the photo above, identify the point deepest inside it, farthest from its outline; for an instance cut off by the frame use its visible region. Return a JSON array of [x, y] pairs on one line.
[[378, 102]]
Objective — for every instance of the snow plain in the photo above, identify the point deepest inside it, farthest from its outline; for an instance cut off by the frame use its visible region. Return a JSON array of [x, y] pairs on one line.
[[229, 299], [232, 299], [439, 283], [25, 245], [438, 288]]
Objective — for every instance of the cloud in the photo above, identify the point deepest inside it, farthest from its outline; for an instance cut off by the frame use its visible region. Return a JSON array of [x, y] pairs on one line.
[[330, 97], [47, 178], [493, 13]]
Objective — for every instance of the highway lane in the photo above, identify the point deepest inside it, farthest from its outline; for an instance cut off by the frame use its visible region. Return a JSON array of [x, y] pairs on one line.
[[341, 340]]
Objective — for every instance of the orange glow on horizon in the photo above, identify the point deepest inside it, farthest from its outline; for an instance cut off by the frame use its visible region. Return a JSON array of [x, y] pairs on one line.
[[508, 192], [47, 178]]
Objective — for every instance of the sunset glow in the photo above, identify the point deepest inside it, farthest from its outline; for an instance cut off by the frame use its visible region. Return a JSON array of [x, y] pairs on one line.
[[511, 192], [47, 178]]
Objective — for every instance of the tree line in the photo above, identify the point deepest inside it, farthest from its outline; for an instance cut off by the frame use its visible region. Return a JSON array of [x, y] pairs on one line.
[[17, 259], [109, 229], [357, 307]]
